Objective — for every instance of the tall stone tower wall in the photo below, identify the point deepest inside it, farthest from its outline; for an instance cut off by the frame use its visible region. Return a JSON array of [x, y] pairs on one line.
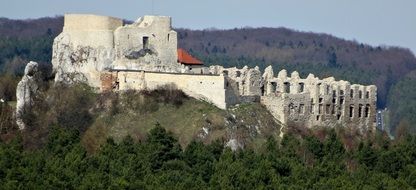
[[149, 34], [91, 30], [91, 44]]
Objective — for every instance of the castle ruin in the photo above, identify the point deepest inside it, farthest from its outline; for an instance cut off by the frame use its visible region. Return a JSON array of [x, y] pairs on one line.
[[108, 54]]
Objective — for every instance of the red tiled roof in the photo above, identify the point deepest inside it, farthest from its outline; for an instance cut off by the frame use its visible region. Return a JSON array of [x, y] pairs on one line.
[[186, 59]]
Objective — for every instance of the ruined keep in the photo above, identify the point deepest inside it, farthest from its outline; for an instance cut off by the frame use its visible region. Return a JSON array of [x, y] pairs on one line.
[[111, 55]]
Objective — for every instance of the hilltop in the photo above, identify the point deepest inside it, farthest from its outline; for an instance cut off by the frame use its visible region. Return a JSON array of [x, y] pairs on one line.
[[307, 52]]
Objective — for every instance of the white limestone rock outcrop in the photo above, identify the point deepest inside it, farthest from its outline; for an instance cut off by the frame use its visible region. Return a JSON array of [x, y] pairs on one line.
[[26, 91]]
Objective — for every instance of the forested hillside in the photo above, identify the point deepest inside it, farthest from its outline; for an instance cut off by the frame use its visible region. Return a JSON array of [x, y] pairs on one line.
[[321, 54], [159, 162]]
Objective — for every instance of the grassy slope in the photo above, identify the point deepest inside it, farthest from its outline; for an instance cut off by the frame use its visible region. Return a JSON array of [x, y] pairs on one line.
[[249, 123]]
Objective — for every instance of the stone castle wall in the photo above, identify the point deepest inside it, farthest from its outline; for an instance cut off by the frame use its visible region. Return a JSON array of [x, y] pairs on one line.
[[91, 44], [108, 55], [319, 102], [91, 30], [151, 33], [210, 88]]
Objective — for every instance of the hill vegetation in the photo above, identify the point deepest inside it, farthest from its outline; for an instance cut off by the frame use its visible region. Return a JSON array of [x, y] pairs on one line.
[[97, 117]]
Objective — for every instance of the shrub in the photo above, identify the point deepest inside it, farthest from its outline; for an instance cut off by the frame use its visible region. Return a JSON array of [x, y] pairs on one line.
[[7, 121], [8, 84], [168, 94]]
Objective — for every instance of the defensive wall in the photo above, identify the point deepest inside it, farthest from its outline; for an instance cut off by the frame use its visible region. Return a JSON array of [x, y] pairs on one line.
[[211, 88]]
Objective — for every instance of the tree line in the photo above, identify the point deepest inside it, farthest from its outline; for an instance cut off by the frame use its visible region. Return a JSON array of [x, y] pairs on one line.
[[159, 162]]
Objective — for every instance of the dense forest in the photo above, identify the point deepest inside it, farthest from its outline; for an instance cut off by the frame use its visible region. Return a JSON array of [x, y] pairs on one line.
[[159, 162]]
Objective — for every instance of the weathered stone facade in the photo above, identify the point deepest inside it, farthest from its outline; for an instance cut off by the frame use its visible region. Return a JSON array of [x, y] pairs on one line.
[[91, 44], [111, 56], [319, 102]]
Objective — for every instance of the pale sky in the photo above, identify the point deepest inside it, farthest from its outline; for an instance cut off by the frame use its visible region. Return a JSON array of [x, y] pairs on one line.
[[375, 22]]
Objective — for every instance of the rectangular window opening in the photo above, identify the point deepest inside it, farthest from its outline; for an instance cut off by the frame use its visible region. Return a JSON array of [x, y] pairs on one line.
[[145, 42], [274, 87], [367, 111], [351, 111], [301, 87], [287, 87]]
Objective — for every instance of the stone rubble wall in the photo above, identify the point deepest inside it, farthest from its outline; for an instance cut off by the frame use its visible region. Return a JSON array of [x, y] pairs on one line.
[[245, 83], [319, 102]]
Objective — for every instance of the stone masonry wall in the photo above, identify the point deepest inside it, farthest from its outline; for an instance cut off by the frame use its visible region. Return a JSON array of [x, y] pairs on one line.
[[91, 44], [148, 44], [319, 102], [210, 88]]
